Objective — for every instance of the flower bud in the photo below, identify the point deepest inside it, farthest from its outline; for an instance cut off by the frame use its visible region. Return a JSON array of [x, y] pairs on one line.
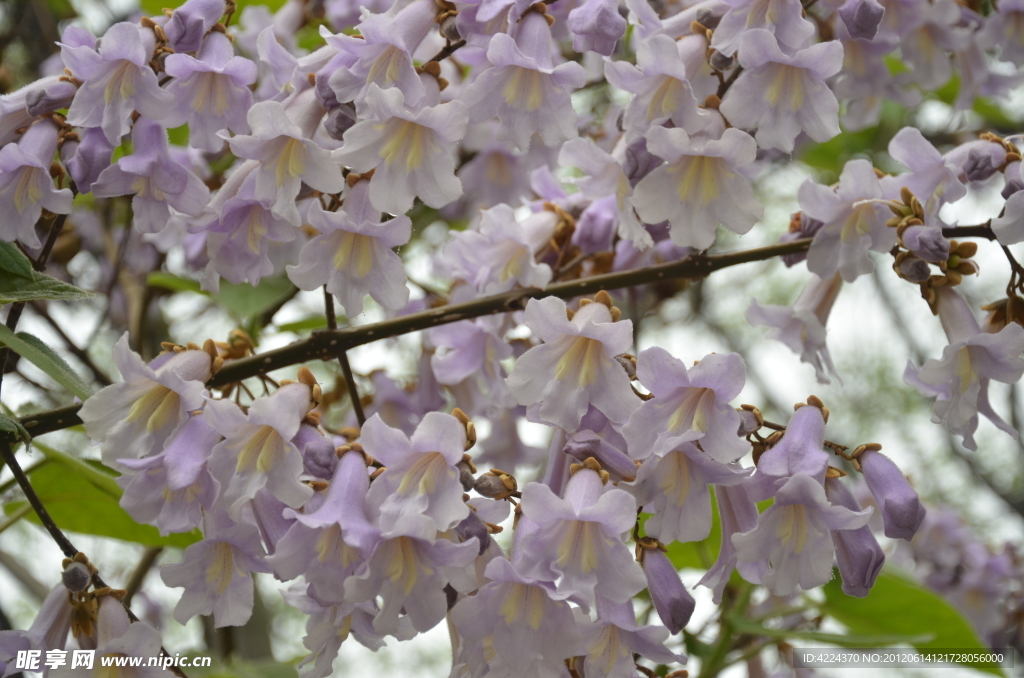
[[673, 602], [858, 554], [901, 508], [472, 527], [76, 577], [584, 444]]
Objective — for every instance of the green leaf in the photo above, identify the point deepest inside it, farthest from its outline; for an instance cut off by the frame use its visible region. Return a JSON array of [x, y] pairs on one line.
[[242, 301], [16, 288], [316, 322], [898, 606], [45, 358], [174, 283], [12, 261], [103, 477], [246, 301], [842, 640], [79, 506]]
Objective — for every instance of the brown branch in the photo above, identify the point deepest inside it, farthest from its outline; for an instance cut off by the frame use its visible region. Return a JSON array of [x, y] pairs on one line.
[[979, 231], [346, 369], [146, 563], [447, 50], [329, 344]]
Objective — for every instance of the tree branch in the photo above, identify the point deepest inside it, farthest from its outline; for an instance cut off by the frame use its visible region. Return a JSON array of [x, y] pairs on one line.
[[330, 344]]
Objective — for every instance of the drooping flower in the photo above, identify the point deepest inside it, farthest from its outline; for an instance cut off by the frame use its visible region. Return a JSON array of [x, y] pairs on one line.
[[783, 18], [858, 554], [211, 91], [421, 477], [257, 450], [959, 380], [793, 536], [409, 149], [287, 157], [217, 573], [172, 489], [498, 253], [118, 80], [134, 418], [931, 176], [606, 181], [153, 179], [673, 602], [801, 451], [700, 186], [352, 255], [596, 25], [409, 572], [660, 82], [738, 514], [577, 539], [853, 224], [519, 617], [189, 23], [611, 641], [468, 361], [802, 327], [783, 94], [26, 186], [524, 88], [674, 487], [575, 366], [689, 405]]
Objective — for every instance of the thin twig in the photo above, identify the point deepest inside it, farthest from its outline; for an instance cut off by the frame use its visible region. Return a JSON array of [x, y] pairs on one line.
[[329, 344], [346, 369], [79, 353], [447, 50], [146, 563]]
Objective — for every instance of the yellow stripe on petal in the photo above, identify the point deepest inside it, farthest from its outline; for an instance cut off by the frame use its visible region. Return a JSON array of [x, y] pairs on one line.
[[582, 359], [792, 530], [221, 568], [524, 88]]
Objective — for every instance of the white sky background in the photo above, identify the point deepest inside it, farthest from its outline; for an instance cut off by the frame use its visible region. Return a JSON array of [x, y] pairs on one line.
[[861, 335]]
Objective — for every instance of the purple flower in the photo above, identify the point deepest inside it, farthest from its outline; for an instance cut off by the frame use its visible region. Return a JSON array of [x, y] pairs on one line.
[[524, 88], [928, 38], [134, 418], [897, 501], [853, 224], [802, 327], [1005, 28], [498, 252], [172, 489], [575, 366], [287, 158], [409, 572], [784, 94], [801, 451], [26, 186], [519, 617], [689, 405], [783, 18], [674, 487], [328, 544], [959, 380], [211, 91], [49, 630], [383, 57], [411, 150], [609, 453], [700, 186], [257, 450], [1009, 228], [421, 478], [117, 636], [596, 26], [858, 554], [468, 361], [86, 159], [660, 82], [577, 539], [793, 537], [673, 602], [927, 242], [190, 22], [154, 180], [610, 642], [862, 18], [606, 184], [931, 175], [118, 80], [738, 514], [353, 254], [217, 573], [331, 625]]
